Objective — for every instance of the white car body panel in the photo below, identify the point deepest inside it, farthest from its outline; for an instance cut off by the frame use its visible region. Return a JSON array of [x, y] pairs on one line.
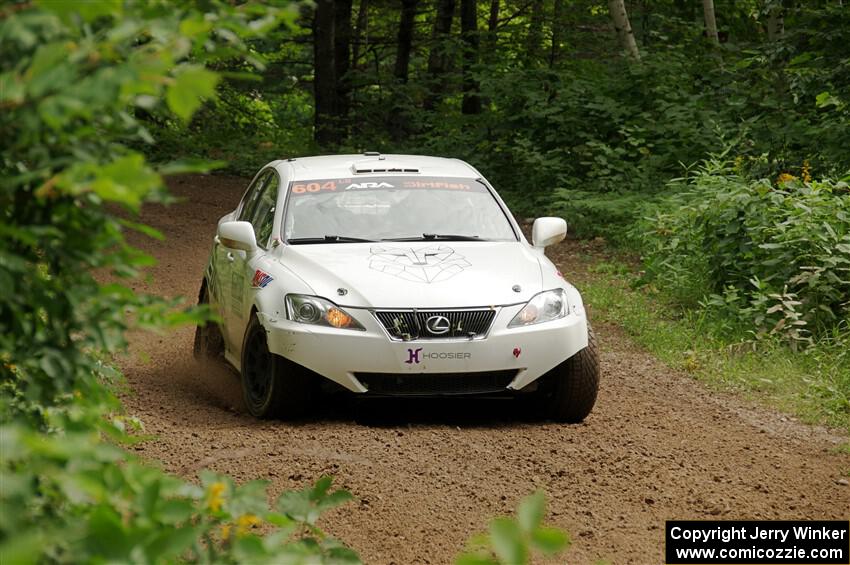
[[334, 356], [418, 274], [432, 275]]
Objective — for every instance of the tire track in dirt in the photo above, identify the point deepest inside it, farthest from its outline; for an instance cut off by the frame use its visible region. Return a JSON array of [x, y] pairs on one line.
[[428, 475]]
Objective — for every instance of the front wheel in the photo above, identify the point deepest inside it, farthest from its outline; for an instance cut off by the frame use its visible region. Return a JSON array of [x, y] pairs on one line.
[[569, 390], [272, 386]]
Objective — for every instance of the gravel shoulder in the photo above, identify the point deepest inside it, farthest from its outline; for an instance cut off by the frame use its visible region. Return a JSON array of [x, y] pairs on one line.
[[428, 475]]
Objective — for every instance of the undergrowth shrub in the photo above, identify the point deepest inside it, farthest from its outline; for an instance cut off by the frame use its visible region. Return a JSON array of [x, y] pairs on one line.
[[80, 500], [244, 130], [513, 540], [771, 257], [600, 214], [72, 77]]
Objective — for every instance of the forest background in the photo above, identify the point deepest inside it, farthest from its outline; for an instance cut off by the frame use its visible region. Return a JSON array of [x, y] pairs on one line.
[[705, 144]]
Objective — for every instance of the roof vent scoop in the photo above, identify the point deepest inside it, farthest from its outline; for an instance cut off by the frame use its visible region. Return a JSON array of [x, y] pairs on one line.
[[382, 167]]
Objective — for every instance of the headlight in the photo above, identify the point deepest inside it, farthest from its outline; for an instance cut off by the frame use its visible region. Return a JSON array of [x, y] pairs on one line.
[[318, 311], [544, 307]]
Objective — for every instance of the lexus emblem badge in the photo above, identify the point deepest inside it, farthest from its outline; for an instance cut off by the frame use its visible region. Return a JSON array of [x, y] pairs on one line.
[[438, 325]]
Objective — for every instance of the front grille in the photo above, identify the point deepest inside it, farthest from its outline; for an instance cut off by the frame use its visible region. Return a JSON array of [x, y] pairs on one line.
[[436, 384], [413, 324]]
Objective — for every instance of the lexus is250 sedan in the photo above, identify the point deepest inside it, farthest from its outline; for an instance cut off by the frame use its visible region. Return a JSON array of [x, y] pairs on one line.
[[390, 276]]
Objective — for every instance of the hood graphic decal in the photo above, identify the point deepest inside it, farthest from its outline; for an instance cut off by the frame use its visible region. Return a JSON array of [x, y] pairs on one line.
[[426, 265]]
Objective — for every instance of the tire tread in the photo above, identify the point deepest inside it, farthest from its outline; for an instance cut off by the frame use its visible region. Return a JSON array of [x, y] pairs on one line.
[[292, 389], [576, 383]]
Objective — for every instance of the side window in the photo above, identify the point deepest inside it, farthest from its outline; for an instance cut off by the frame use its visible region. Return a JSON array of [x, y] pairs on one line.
[[252, 196], [263, 214]]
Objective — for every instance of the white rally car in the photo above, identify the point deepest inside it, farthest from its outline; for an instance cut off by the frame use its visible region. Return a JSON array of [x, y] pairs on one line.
[[392, 275]]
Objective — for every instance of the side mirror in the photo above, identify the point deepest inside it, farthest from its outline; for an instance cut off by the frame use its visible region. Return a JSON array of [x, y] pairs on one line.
[[548, 231], [238, 235]]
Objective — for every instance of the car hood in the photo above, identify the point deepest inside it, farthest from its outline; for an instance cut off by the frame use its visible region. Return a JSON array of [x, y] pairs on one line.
[[418, 274]]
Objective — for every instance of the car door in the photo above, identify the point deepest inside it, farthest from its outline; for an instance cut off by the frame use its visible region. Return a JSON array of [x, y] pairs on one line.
[[260, 214], [223, 259]]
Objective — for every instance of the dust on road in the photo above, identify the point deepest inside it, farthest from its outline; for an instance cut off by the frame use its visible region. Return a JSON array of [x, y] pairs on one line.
[[428, 475]]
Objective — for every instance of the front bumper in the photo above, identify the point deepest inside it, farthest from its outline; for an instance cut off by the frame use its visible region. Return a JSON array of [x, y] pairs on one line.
[[337, 354]]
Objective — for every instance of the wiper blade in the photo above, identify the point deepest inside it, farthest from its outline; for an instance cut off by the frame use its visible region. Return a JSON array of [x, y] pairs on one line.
[[437, 237], [328, 239]]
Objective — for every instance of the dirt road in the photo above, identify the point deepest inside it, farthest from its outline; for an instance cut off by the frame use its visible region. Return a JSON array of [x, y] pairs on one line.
[[657, 446]]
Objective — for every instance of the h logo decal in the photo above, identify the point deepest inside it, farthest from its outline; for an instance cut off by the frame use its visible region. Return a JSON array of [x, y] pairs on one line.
[[414, 356]]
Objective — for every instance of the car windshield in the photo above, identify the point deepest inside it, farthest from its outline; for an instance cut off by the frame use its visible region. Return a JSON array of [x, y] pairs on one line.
[[393, 207]]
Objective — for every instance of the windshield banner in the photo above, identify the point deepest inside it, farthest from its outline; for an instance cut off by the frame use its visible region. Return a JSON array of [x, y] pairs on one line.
[[363, 184]]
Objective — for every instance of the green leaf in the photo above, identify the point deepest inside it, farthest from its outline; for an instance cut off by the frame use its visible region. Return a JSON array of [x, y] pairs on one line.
[[250, 497], [12, 88], [307, 505], [506, 539], [550, 540], [88, 11], [802, 58], [127, 180], [148, 498], [190, 166], [152, 233], [334, 499], [174, 511], [825, 99], [190, 88], [22, 547], [249, 549], [475, 559], [297, 505], [321, 487], [45, 59], [279, 520], [106, 535], [169, 544], [341, 555], [531, 511], [192, 27]]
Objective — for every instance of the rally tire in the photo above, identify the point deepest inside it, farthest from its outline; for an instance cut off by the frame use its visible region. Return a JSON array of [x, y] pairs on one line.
[[209, 341], [570, 389], [272, 387]]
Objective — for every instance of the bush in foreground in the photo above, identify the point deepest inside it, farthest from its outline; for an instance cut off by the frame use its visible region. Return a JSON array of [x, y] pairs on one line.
[[80, 500], [72, 77]]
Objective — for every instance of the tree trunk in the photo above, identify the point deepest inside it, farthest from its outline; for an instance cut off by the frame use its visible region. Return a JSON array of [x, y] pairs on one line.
[[710, 22], [437, 58], [405, 39], [324, 81], [557, 32], [342, 61], [534, 39], [469, 33], [361, 33], [623, 27], [397, 119], [775, 23], [492, 27], [645, 17]]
